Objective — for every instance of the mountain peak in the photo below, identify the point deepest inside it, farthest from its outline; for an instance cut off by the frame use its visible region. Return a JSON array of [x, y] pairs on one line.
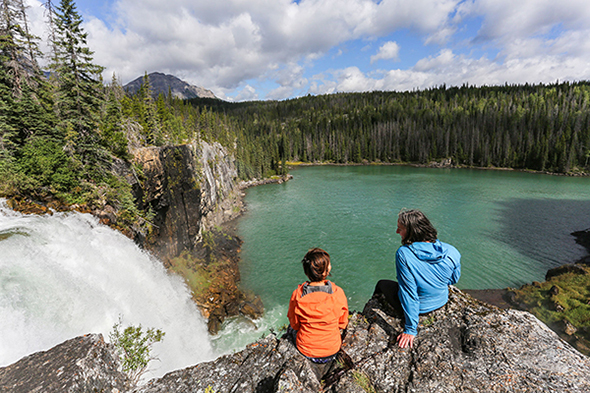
[[163, 83]]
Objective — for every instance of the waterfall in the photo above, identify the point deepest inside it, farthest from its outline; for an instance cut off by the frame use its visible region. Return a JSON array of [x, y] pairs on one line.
[[66, 275]]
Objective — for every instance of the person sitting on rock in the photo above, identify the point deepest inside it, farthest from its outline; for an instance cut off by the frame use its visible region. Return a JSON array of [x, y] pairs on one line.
[[318, 310], [425, 268]]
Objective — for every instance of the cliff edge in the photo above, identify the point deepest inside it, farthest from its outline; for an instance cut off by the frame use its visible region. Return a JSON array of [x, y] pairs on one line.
[[466, 346]]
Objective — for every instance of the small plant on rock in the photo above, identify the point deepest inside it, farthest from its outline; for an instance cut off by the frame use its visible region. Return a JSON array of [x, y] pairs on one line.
[[363, 381], [134, 346]]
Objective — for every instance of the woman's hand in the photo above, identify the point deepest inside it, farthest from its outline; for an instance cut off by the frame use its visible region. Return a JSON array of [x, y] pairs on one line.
[[405, 340]]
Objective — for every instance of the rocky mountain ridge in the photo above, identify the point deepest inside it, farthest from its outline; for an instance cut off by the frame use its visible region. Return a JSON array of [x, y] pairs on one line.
[[163, 83], [466, 346]]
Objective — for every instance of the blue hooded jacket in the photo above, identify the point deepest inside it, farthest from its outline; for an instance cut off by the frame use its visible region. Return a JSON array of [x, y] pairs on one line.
[[424, 272]]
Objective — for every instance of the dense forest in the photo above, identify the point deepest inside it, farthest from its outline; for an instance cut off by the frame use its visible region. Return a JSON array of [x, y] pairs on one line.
[[538, 127], [62, 127]]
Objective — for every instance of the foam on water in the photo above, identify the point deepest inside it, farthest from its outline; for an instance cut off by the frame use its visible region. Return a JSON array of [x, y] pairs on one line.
[[66, 275]]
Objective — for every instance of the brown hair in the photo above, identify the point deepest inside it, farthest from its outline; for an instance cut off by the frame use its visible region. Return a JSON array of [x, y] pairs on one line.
[[315, 264], [418, 227]]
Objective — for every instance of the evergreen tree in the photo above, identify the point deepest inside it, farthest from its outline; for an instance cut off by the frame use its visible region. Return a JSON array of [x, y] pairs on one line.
[[79, 93], [113, 137]]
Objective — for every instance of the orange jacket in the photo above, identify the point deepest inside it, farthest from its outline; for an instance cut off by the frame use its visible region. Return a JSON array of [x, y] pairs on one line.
[[318, 318]]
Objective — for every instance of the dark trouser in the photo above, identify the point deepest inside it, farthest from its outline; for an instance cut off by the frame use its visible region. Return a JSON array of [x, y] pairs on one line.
[[389, 290]]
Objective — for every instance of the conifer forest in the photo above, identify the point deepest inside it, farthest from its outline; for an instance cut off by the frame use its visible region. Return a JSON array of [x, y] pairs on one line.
[[62, 126]]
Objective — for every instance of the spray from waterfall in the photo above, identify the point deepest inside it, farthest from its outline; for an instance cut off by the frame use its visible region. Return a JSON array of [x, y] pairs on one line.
[[66, 275]]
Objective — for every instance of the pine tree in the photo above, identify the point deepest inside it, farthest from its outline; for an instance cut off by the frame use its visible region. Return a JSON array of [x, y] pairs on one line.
[[113, 137], [26, 97], [79, 93]]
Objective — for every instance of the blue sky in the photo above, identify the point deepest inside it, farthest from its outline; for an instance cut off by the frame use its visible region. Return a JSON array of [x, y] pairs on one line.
[[279, 49]]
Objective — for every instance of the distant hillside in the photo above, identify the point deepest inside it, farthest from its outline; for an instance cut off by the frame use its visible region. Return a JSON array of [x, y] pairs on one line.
[[161, 83]]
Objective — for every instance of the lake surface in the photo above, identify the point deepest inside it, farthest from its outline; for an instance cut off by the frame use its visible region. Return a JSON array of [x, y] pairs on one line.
[[509, 226]]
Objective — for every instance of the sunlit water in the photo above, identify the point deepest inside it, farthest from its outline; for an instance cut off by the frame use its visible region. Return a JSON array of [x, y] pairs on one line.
[[510, 228], [66, 275]]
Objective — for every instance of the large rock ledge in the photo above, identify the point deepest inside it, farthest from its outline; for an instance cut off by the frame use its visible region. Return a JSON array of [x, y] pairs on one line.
[[466, 346], [82, 364]]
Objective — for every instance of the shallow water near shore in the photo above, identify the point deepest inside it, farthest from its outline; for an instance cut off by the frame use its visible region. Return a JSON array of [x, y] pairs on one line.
[[510, 227]]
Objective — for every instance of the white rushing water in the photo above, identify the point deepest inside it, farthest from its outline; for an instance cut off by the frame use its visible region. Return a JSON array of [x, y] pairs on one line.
[[66, 275]]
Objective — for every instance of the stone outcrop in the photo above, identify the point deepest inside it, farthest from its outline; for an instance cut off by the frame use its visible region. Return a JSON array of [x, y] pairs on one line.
[[466, 346], [188, 189], [80, 365]]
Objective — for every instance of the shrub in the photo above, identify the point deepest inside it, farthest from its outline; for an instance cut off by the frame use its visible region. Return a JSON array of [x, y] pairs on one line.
[[134, 347]]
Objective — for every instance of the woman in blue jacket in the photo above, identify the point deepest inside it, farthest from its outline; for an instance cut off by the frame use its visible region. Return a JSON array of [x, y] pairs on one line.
[[425, 268]]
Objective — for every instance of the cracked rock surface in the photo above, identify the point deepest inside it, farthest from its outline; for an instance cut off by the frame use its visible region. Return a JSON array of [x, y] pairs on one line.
[[466, 346], [80, 365]]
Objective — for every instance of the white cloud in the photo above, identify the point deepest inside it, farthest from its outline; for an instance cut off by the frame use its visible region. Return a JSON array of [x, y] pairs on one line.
[[220, 44], [248, 93], [443, 60], [508, 19], [387, 51], [228, 46]]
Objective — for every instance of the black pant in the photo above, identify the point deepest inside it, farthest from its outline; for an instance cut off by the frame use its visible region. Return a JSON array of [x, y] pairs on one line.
[[389, 289]]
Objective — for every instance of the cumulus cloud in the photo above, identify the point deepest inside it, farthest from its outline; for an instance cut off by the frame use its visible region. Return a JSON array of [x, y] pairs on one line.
[[387, 51], [271, 48], [506, 19], [222, 44]]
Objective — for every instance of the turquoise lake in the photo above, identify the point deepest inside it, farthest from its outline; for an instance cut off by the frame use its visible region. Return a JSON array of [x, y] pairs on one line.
[[509, 226]]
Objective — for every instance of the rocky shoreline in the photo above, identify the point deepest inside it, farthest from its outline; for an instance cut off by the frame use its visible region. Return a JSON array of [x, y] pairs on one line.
[[443, 164], [509, 298]]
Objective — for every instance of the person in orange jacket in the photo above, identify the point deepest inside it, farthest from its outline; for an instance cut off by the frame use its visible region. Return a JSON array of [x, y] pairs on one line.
[[318, 310]]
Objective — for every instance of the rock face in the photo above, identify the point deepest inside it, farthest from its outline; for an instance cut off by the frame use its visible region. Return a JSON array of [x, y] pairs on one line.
[[466, 346], [162, 83], [83, 364], [189, 188]]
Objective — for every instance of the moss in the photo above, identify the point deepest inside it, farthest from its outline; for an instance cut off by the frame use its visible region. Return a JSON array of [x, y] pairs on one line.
[[196, 276], [570, 303], [574, 292]]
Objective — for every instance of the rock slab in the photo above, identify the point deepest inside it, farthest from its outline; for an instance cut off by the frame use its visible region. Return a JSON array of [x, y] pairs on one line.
[[80, 365], [466, 346]]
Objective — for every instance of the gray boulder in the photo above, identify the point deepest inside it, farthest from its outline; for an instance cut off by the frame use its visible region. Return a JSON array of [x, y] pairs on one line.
[[80, 365], [466, 346]]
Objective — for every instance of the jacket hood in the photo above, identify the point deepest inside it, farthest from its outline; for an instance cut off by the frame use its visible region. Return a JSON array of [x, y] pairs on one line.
[[429, 252]]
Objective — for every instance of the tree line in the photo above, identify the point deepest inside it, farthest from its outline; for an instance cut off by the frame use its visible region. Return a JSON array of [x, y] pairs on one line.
[[538, 127]]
